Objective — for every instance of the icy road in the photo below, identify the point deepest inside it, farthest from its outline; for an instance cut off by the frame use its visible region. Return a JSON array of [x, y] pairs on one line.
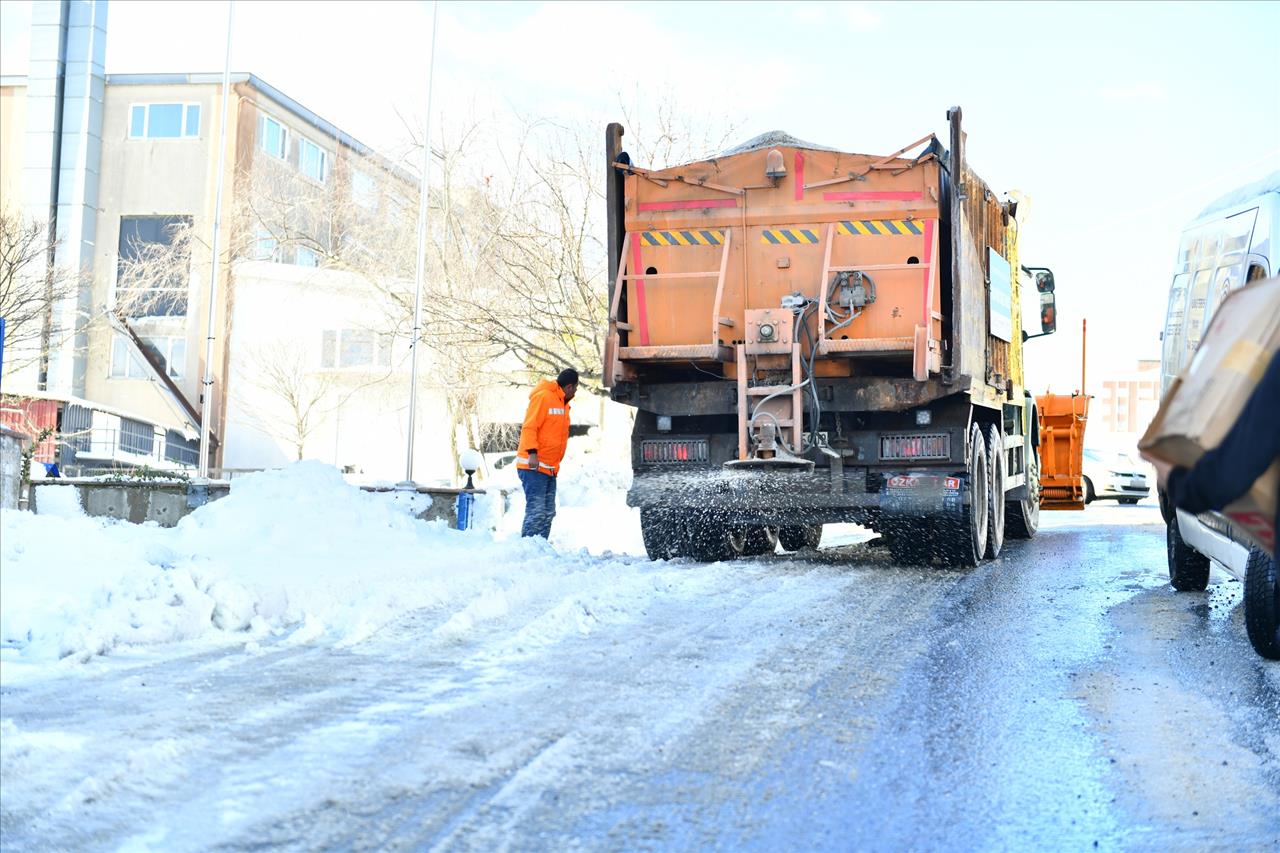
[[1062, 697]]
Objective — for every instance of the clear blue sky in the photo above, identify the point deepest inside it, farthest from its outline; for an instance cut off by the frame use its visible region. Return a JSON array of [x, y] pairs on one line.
[[1119, 121]]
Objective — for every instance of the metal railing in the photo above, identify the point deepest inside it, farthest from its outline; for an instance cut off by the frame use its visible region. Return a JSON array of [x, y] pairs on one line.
[[126, 447]]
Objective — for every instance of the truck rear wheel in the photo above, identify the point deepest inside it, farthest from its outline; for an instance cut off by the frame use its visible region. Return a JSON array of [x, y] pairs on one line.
[[1262, 604], [995, 499], [708, 540], [798, 537], [1188, 568], [660, 534], [1022, 517], [757, 541], [967, 539]]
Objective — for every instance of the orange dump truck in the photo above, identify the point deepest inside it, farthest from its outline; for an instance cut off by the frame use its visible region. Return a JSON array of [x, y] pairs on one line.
[[813, 336]]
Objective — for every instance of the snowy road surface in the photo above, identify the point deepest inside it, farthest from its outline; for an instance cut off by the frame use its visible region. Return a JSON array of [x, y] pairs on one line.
[[1060, 697]]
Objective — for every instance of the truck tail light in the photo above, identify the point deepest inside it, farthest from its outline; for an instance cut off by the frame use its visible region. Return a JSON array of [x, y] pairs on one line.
[[899, 447], [675, 450]]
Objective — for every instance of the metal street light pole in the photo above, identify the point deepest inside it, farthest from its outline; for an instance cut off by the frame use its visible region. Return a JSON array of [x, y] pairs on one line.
[[420, 276], [206, 396]]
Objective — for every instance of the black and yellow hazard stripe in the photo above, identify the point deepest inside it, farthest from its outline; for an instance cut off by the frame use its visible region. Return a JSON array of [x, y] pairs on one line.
[[879, 227], [788, 236], [681, 238]]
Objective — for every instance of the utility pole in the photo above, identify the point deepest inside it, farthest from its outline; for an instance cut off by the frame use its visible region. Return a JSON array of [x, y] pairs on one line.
[[420, 276], [206, 386]]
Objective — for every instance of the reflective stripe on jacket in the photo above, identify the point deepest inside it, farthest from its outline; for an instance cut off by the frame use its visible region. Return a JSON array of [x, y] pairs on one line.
[[546, 428]]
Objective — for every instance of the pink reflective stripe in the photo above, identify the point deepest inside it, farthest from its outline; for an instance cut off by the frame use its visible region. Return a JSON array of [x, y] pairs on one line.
[[799, 176]]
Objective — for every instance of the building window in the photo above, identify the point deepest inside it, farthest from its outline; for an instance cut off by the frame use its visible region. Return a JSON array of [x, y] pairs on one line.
[[152, 280], [272, 137], [312, 160], [265, 246], [172, 352], [350, 348], [136, 436], [125, 361], [304, 257], [164, 121], [178, 448], [364, 190]]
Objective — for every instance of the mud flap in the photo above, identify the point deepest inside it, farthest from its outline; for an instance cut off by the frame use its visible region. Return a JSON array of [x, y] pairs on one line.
[[922, 494]]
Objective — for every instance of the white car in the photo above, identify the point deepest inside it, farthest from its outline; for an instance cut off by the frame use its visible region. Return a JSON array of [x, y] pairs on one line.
[[1109, 475]]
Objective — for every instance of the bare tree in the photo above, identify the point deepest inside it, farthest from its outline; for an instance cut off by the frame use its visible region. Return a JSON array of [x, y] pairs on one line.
[[543, 295], [298, 397], [549, 263], [31, 292], [663, 135]]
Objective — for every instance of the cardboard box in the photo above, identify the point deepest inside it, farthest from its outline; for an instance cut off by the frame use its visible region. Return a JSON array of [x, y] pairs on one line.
[[1203, 404]]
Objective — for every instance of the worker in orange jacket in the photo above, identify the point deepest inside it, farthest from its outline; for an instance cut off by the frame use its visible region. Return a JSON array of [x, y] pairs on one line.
[[543, 440]]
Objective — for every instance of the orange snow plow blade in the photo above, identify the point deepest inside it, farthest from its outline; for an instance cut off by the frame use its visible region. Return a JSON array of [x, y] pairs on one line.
[[1062, 422]]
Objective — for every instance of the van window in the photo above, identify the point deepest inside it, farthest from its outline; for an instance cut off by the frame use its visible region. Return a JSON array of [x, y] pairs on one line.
[[1228, 279], [1229, 266], [1197, 297], [1174, 324]]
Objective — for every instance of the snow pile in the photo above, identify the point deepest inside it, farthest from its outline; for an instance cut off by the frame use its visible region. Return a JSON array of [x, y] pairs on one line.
[[298, 555], [592, 513]]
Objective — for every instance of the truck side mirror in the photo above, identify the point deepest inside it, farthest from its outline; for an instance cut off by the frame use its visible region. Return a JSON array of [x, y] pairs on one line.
[[1048, 311], [1043, 277]]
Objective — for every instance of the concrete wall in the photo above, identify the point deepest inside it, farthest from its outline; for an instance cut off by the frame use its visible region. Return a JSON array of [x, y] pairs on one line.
[[167, 503], [163, 503], [11, 444]]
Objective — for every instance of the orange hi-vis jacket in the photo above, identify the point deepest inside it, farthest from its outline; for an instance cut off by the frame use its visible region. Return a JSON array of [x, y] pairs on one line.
[[546, 428]]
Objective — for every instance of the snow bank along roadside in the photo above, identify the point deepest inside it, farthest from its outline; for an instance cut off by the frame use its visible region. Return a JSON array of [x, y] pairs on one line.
[[301, 555]]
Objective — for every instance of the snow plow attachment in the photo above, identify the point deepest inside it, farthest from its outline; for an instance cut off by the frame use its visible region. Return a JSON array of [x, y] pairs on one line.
[[1062, 422]]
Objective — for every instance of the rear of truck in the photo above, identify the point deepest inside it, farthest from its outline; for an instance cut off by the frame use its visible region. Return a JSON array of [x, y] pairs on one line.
[[814, 336]]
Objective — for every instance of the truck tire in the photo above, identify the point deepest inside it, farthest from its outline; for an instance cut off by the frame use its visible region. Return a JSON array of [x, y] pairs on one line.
[[660, 533], [758, 541], [1188, 568], [1022, 517], [708, 540], [1262, 604], [995, 496], [966, 540], [1089, 494], [798, 537]]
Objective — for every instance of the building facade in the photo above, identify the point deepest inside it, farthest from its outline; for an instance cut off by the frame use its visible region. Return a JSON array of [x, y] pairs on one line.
[[123, 168], [310, 350], [1129, 401]]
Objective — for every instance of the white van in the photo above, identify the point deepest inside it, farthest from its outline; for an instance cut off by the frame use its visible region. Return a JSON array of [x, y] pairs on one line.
[[1235, 240]]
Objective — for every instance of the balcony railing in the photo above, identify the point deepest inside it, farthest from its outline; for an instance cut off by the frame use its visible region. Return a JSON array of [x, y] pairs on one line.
[[105, 447]]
